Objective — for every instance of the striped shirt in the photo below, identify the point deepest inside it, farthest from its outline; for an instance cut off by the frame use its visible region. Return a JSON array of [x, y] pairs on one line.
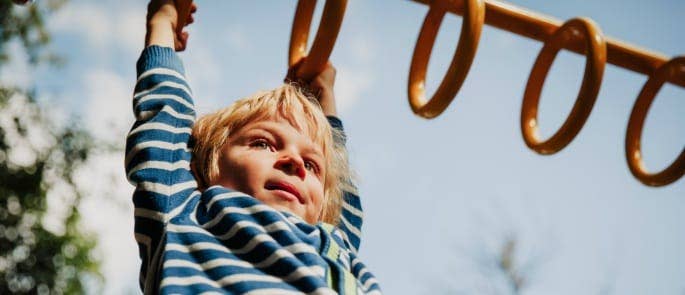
[[220, 240]]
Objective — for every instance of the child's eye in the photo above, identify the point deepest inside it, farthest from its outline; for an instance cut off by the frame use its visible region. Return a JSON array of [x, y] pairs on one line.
[[311, 166], [261, 144]]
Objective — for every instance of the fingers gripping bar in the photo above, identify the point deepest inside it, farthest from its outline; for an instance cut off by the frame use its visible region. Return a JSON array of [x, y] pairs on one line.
[[183, 13], [331, 20]]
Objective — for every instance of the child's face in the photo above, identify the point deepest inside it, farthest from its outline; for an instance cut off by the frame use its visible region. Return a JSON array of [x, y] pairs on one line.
[[277, 164]]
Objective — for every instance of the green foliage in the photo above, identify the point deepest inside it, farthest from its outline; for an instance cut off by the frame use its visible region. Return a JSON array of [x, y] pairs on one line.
[[26, 24], [40, 251]]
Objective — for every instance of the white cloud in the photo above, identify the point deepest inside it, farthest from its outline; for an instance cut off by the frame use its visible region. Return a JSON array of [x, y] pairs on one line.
[[108, 110], [106, 95], [204, 74], [107, 210], [355, 74], [89, 20], [103, 28], [130, 28], [351, 86], [237, 38], [363, 49]]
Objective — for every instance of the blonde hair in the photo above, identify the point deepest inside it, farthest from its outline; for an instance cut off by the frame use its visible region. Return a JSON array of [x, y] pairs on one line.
[[302, 111]]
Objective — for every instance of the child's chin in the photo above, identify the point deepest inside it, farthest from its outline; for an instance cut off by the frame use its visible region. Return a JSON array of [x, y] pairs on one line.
[[284, 208]]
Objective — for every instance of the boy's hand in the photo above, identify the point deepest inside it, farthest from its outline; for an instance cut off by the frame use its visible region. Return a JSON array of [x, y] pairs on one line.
[[163, 23], [321, 86]]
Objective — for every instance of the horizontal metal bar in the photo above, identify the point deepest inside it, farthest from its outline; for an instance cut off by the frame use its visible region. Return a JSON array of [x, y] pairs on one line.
[[539, 27]]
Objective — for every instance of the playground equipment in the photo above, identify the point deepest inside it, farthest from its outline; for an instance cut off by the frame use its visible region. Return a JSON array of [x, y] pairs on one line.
[[580, 35]]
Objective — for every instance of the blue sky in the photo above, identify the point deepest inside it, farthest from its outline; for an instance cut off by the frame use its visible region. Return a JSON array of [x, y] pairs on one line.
[[440, 195]]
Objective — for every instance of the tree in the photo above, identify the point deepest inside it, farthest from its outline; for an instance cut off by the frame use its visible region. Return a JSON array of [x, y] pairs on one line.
[[39, 253]]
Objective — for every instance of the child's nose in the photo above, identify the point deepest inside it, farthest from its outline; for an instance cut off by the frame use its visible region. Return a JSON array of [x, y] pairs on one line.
[[292, 165]]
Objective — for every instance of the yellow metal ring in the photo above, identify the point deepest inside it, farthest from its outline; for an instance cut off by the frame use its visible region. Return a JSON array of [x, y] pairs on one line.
[[668, 71], [594, 69], [332, 18], [473, 19]]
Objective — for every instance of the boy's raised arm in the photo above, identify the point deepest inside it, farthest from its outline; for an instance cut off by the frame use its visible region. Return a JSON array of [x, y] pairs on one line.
[[322, 86], [157, 157]]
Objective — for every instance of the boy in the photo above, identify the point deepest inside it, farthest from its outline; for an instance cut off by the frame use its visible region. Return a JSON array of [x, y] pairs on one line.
[[262, 211]]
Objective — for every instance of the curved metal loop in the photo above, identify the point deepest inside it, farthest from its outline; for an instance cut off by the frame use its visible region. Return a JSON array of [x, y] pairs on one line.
[[670, 71], [331, 21], [587, 95], [474, 17]]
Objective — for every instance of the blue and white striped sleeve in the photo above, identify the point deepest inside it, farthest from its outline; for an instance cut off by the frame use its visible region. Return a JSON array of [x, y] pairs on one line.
[[352, 215], [157, 153]]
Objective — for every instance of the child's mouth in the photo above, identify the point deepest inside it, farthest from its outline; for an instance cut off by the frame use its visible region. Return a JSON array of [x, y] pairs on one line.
[[285, 187]]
